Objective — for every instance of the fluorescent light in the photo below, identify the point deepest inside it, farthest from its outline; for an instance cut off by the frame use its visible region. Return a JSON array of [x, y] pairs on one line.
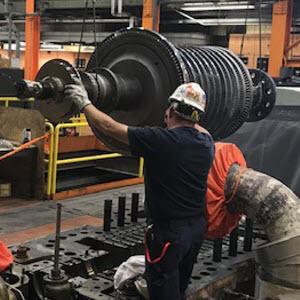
[[215, 22], [216, 7], [206, 3]]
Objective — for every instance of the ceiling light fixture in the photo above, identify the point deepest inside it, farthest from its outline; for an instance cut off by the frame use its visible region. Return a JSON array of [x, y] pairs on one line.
[[217, 7]]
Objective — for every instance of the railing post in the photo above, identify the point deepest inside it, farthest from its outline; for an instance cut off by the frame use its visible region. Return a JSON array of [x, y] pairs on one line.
[[141, 167], [55, 157], [50, 159], [56, 161]]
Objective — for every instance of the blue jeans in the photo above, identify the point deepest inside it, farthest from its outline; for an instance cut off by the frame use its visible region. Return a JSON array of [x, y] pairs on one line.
[[168, 278]]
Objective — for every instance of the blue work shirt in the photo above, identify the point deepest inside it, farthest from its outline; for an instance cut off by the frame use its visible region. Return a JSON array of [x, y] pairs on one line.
[[177, 162]]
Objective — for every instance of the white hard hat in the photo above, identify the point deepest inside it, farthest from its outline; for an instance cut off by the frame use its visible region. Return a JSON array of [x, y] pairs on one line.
[[190, 94]]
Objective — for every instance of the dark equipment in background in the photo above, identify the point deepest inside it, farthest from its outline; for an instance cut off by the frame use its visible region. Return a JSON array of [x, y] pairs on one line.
[[289, 76], [262, 63], [8, 77]]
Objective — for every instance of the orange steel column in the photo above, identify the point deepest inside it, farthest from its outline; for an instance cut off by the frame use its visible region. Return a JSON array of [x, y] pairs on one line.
[[280, 37], [32, 39], [151, 15]]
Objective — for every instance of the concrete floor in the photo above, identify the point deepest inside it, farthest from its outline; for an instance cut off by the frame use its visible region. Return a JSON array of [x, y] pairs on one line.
[[22, 220]]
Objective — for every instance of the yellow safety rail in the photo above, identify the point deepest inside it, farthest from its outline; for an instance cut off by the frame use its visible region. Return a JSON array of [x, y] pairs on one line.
[[81, 118], [50, 158], [57, 161], [141, 167], [53, 160], [7, 100]]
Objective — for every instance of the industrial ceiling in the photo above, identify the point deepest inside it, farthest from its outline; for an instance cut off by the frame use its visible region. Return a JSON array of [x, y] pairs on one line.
[[62, 20]]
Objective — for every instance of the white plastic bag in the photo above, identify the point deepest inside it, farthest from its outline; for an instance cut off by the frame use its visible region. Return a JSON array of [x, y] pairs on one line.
[[133, 267]]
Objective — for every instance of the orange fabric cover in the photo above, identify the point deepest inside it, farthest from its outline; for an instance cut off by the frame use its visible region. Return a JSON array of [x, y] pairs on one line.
[[6, 258], [220, 221]]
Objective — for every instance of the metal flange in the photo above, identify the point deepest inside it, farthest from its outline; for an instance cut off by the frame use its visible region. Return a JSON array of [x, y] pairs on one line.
[[264, 95]]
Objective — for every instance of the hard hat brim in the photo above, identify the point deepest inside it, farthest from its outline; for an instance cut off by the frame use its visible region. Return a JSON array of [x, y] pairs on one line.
[[184, 101]]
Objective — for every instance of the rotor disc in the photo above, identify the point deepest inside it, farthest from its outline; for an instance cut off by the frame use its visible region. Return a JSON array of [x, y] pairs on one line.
[[149, 57], [57, 109]]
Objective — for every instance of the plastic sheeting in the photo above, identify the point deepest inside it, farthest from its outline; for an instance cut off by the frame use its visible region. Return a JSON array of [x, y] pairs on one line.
[[129, 269], [272, 146], [220, 220]]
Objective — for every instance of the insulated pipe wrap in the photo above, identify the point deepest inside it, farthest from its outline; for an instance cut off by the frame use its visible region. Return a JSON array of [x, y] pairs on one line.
[[277, 209], [263, 198]]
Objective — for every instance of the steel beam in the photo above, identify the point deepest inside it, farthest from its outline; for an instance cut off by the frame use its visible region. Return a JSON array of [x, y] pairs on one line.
[[280, 37], [32, 39], [151, 15]]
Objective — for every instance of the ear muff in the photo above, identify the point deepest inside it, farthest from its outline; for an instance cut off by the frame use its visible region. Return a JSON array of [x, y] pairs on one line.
[[187, 112]]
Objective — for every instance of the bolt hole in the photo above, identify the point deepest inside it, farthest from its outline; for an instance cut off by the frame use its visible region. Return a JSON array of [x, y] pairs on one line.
[[70, 253], [205, 273], [207, 263], [211, 269]]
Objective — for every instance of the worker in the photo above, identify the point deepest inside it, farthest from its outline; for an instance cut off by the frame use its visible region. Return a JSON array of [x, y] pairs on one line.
[[177, 161]]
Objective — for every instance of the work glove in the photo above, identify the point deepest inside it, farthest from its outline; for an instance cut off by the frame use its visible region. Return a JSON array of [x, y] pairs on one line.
[[77, 93]]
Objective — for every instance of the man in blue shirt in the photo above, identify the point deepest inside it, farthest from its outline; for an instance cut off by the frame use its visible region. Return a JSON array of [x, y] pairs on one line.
[[177, 162]]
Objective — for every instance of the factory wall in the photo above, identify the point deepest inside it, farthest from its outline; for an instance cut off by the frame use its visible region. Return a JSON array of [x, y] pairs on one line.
[[251, 47], [48, 55]]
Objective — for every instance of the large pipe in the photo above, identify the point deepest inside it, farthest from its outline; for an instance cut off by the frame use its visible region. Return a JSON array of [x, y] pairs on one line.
[[266, 200], [277, 209]]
